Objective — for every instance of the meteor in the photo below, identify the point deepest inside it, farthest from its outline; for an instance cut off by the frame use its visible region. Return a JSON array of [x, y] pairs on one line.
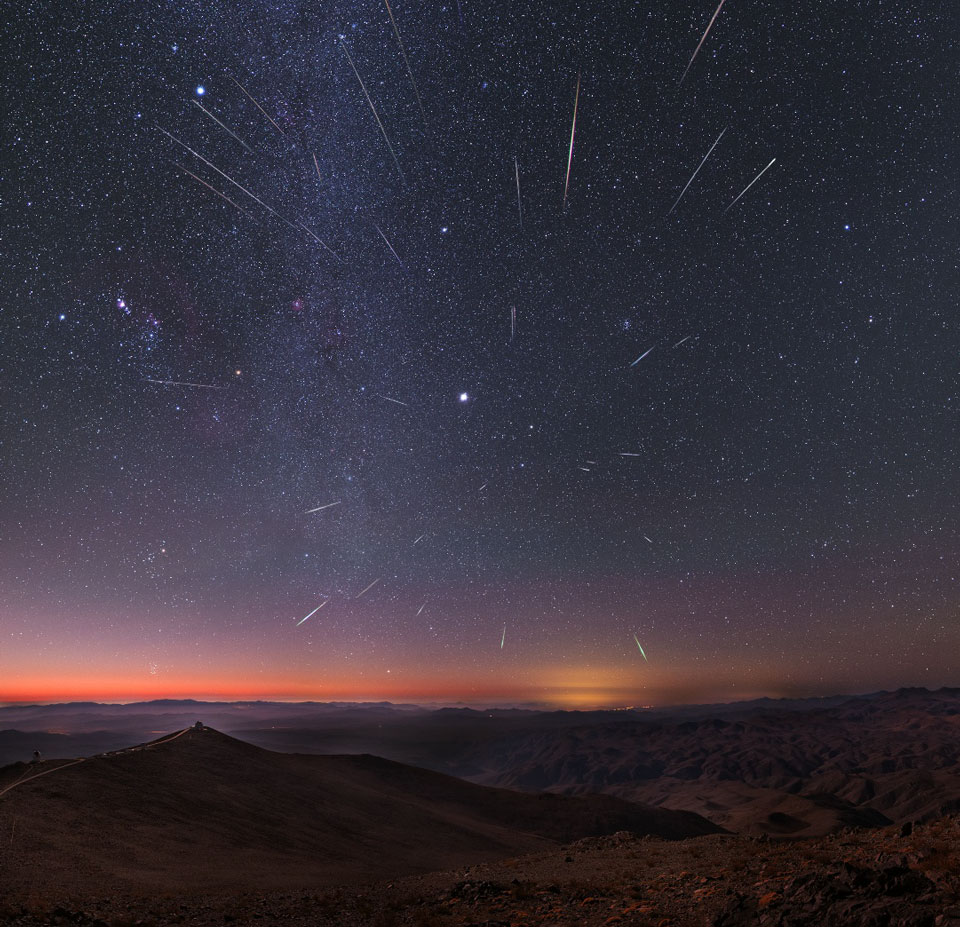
[[702, 40], [320, 508], [302, 620], [697, 171], [573, 129], [397, 401], [215, 190], [748, 186], [258, 106], [181, 383], [222, 126], [503, 637], [642, 356], [403, 52], [368, 588], [513, 321], [320, 241], [387, 240], [376, 116], [225, 176], [419, 539], [516, 170], [421, 608], [681, 341], [641, 649]]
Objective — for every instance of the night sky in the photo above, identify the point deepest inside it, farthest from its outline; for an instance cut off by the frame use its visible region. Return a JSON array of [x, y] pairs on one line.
[[768, 499]]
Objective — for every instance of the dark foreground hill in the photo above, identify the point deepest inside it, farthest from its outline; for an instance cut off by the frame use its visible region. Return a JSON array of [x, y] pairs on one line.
[[868, 878], [201, 811]]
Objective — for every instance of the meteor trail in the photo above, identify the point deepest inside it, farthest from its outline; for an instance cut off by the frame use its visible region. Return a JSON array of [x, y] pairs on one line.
[[419, 539], [387, 240], [503, 636], [484, 486], [320, 508], [647, 539], [397, 401], [258, 106], [302, 620], [681, 341], [403, 52], [702, 40], [421, 608], [373, 109], [516, 170], [222, 126], [317, 166], [377, 580], [629, 454], [181, 383], [641, 649], [215, 190], [573, 129], [321, 242], [513, 321], [749, 185], [642, 356], [225, 176], [697, 171]]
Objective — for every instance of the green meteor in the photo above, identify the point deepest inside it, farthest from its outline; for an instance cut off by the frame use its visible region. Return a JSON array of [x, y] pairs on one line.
[[641, 649]]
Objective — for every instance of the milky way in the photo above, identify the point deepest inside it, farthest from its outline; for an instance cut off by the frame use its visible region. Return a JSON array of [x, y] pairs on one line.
[[284, 326]]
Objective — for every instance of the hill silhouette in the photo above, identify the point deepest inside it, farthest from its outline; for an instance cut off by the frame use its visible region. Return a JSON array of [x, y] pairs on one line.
[[202, 811]]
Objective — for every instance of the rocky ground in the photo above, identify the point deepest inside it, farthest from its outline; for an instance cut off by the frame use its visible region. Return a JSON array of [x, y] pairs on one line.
[[893, 877]]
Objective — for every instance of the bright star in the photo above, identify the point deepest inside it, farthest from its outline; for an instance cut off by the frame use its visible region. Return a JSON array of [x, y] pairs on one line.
[[464, 397], [201, 90]]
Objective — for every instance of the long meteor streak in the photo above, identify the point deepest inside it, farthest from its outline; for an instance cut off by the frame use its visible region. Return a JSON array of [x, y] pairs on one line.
[[749, 185], [258, 106], [215, 190], [320, 508], [397, 401], [403, 52], [702, 40], [209, 164], [321, 242], [368, 588], [697, 171], [181, 383], [302, 620], [387, 240], [516, 170], [641, 649], [642, 356], [373, 109], [503, 636], [229, 132], [573, 130]]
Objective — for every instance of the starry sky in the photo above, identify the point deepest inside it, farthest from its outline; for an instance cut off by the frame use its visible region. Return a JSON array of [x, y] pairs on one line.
[[255, 265]]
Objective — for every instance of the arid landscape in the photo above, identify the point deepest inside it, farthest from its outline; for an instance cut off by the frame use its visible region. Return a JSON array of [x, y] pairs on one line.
[[832, 811]]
